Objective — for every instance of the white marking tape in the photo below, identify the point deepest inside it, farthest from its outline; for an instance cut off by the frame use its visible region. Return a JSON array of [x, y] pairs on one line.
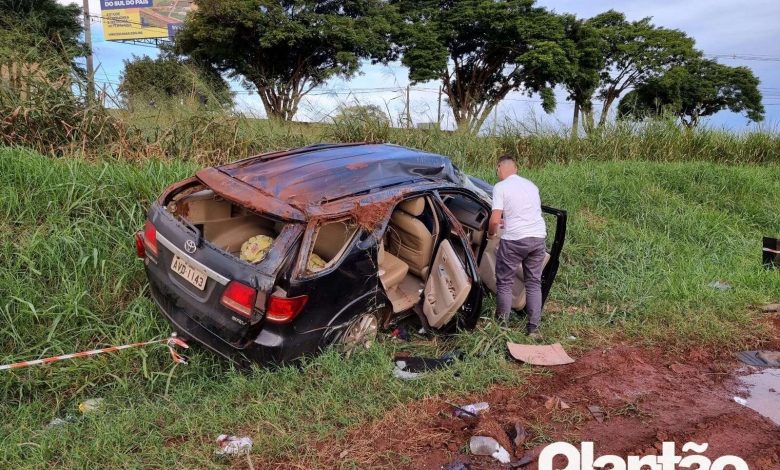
[[170, 342]]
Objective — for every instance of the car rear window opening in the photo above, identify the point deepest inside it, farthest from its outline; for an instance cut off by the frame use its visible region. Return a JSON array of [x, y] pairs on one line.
[[228, 226]]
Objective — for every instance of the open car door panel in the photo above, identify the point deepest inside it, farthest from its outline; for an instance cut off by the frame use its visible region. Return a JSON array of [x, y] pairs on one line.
[[487, 271], [447, 288], [487, 266]]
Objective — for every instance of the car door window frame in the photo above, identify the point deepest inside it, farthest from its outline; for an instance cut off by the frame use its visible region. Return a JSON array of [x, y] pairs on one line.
[[477, 200]]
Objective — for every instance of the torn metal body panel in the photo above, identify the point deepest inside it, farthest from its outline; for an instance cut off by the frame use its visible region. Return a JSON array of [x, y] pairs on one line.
[[351, 230]]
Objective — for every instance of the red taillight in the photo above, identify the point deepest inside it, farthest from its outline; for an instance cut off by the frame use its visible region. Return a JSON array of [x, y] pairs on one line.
[[139, 245], [150, 237], [283, 309], [239, 297]]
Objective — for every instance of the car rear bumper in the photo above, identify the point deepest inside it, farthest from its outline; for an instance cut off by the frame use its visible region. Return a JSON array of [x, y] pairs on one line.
[[265, 349], [275, 344]]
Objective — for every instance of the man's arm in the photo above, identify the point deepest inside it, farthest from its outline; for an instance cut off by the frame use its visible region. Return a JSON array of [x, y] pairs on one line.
[[495, 223]]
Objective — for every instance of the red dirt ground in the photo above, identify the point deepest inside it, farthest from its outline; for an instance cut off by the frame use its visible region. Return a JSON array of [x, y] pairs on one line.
[[649, 396]]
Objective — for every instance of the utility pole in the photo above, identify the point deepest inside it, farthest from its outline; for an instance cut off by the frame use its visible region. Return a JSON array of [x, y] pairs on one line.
[[408, 108], [88, 41], [438, 111]]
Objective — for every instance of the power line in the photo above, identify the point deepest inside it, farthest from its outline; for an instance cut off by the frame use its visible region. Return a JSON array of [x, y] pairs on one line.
[[753, 57]]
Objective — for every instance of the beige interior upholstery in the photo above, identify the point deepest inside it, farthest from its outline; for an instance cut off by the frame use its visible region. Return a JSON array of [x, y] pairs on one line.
[[391, 269], [413, 207], [447, 287], [409, 239], [332, 238], [229, 234]]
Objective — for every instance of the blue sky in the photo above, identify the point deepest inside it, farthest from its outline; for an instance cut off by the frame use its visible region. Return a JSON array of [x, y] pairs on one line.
[[720, 27]]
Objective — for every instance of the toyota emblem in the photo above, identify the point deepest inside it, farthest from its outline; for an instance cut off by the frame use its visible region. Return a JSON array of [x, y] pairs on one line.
[[190, 246]]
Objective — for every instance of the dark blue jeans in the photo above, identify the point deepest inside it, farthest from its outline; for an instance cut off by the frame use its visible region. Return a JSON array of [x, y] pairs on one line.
[[511, 254]]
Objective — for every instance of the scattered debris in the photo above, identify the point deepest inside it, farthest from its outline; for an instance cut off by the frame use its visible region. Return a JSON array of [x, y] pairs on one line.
[[233, 445], [597, 413], [555, 403], [719, 285], [572, 338], [61, 421], [483, 445], [470, 410], [547, 355], [741, 401], [760, 358], [401, 333], [410, 367], [400, 373], [455, 466], [770, 308], [519, 435], [91, 405], [528, 458]]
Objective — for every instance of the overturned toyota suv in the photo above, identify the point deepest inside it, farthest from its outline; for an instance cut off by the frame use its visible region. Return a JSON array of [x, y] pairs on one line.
[[280, 255]]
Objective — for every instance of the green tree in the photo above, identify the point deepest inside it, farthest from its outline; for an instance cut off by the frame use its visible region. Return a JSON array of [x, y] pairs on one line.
[[170, 76], [285, 48], [697, 89], [481, 50], [41, 26], [586, 47], [635, 51]]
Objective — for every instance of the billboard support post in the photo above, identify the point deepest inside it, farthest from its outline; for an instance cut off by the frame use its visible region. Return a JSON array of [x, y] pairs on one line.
[[88, 41]]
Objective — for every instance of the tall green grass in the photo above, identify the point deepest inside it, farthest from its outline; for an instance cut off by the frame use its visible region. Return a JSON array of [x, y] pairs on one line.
[[644, 241], [48, 118]]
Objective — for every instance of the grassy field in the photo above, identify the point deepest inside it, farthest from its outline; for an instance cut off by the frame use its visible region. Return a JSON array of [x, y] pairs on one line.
[[645, 239]]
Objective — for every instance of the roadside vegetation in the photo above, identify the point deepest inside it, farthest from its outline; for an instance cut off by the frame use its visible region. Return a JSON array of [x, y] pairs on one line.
[[657, 212], [645, 239]]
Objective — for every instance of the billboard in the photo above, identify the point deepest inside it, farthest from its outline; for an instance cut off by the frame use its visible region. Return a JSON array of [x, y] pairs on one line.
[[143, 19]]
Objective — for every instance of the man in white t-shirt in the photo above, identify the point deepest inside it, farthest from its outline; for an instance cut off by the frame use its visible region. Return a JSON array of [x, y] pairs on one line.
[[517, 200]]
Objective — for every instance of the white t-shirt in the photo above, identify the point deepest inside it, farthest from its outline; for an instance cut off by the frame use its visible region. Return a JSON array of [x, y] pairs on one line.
[[519, 199]]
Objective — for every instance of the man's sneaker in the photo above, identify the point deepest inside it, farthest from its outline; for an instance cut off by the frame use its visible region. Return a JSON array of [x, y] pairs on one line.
[[533, 332]]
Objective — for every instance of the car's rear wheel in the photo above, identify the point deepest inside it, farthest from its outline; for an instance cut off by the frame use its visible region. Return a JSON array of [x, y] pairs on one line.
[[359, 334]]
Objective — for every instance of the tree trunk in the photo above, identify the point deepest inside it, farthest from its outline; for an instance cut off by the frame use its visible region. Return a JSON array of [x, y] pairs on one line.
[[605, 110], [575, 120], [279, 102], [587, 117]]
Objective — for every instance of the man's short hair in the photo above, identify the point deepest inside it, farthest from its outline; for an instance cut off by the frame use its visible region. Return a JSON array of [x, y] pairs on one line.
[[506, 158]]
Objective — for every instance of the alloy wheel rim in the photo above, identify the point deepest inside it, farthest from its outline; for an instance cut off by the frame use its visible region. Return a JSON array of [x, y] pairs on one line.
[[361, 333]]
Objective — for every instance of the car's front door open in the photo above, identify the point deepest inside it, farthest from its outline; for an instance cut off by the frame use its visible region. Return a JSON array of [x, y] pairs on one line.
[[487, 266], [447, 288]]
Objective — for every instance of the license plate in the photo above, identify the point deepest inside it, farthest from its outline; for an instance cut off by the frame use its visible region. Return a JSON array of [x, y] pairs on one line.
[[194, 276]]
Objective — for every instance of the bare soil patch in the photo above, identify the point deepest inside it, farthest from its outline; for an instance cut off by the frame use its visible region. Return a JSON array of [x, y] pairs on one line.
[[648, 397]]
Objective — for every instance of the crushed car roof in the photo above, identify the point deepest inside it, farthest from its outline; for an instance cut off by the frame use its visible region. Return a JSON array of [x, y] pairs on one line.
[[326, 172]]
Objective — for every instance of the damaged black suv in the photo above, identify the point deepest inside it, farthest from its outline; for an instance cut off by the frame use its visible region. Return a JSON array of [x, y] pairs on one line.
[[279, 255]]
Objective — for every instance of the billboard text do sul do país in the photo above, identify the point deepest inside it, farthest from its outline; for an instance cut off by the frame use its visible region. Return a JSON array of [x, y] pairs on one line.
[[143, 19]]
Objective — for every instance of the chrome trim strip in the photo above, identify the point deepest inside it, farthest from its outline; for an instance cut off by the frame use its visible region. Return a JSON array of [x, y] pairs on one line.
[[181, 254]]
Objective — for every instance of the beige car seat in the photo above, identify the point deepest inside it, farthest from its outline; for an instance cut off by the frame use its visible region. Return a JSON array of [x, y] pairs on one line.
[[408, 237], [391, 269]]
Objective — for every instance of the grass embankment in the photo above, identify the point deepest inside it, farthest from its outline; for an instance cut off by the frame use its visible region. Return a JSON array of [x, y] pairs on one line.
[[644, 241]]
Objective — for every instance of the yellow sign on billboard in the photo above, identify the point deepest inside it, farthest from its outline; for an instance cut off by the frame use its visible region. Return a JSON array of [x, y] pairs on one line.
[[143, 19]]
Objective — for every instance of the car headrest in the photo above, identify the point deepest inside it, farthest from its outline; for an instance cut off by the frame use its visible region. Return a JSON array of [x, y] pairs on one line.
[[413, 207]]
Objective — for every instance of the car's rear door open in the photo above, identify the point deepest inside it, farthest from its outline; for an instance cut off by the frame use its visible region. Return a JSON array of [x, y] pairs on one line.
[[205, 268]]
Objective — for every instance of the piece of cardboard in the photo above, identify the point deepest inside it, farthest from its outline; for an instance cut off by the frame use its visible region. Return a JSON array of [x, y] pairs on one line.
[[546, 355]]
